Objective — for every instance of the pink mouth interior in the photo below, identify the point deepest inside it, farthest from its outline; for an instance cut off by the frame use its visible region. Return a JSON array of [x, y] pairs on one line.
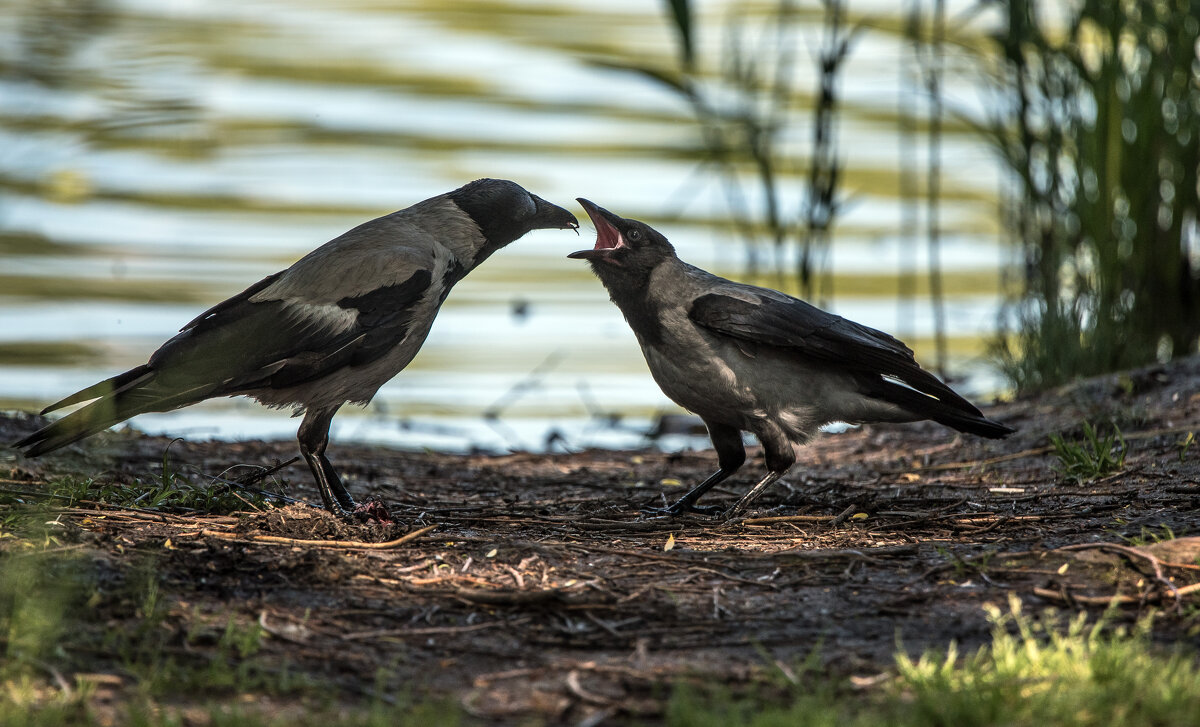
[[607, 236]]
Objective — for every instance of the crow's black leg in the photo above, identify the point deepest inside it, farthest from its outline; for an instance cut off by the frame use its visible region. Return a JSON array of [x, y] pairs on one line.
[[687, 503], [740, 506], [731, 454], [344, 500], [781, 455], [314, 438]]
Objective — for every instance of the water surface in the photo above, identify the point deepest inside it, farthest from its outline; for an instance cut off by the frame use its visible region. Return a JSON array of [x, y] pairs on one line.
[[156, 157]]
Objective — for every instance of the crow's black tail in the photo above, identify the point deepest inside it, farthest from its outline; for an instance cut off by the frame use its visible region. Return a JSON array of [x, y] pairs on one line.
[[952, 410], [980, 425], [116, 401]]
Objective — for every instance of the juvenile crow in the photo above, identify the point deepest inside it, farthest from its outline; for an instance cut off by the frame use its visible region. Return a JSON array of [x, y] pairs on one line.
[[330, 329], [752, 359]]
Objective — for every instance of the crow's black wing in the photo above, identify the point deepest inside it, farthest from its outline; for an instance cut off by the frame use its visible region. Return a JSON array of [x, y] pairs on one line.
[[787, 323], [242, 344]]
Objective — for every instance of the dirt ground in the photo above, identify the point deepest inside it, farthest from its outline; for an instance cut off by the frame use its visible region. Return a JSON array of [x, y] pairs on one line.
[[534, 588]]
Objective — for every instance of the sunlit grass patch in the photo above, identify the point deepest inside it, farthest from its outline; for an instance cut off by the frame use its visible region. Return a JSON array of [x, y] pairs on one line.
[[1037, 670]]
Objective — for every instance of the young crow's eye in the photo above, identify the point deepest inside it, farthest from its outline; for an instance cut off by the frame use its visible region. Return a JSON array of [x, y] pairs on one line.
[[634, 235]]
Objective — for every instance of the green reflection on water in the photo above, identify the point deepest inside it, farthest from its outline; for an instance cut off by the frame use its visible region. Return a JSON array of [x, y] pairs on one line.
[[57, 353], [65, 288]]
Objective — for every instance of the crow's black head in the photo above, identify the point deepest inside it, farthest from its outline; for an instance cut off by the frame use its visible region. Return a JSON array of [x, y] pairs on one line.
[[504, 211], [623, 246]]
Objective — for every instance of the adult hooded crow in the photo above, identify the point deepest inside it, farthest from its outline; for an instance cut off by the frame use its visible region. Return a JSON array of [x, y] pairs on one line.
[[330, 329], [752, 359]]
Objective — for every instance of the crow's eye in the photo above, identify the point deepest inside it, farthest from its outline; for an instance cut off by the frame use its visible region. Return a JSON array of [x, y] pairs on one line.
[[634, 235]]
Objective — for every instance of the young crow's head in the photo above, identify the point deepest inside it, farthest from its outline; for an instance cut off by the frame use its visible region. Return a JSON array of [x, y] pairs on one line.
[[504, 212], [622, 244]]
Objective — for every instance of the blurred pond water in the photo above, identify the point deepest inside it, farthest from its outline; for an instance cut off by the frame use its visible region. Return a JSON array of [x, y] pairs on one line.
[[157, 156]]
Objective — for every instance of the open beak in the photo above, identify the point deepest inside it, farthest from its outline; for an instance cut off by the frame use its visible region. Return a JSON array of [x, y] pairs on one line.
[[608, 237]]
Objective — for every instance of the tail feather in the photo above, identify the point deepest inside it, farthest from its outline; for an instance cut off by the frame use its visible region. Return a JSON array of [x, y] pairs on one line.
[[956, 413], [980, 425], [117, 399], [93, 418], [121, 382]]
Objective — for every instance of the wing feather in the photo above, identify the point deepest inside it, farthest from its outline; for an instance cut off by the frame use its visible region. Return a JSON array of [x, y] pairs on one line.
[[789, 324], [244, 344]]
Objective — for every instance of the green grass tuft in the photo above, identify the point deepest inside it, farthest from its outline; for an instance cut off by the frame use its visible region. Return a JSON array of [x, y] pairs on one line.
[[1044, 671], [1184, 445], [1149, 536], [169, 493], [1094, 457]]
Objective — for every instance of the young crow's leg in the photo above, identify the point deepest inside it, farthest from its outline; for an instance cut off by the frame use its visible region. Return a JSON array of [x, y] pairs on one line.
[[314, 438], [731, 454], [781, 455]]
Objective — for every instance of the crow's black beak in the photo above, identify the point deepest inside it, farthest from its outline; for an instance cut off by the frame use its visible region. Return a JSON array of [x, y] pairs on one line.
[[551, 216]]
